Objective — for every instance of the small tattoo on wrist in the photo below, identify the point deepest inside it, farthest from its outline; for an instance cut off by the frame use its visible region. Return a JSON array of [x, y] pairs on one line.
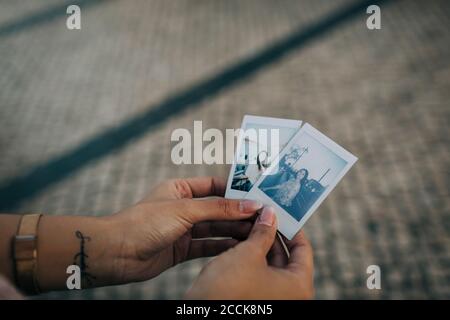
[[80, 259]]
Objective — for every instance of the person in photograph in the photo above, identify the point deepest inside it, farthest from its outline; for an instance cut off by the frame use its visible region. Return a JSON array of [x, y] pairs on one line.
[[285, 173], [287, 192], [240, 181], [246, 175], [302, 201], [309, 192]]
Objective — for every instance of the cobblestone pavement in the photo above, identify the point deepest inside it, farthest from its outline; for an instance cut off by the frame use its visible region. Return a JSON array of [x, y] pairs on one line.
[[384, 95]]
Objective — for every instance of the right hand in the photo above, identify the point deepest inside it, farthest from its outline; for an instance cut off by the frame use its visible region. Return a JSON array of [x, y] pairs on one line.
[[258, 268]]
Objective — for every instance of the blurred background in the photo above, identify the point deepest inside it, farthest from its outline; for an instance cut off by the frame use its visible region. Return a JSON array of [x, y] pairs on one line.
[[86, 117]]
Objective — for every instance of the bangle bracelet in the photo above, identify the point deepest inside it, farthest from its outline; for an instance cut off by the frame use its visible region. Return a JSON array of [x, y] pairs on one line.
[[25, 253]]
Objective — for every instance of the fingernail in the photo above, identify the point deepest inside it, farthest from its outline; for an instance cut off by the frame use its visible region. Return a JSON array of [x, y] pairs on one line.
[[267, 216], [249, 206]]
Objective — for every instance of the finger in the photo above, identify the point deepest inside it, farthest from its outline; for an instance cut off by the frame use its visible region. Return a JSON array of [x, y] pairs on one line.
[[187, 188], [277, 255], [233, 229], [262, 236], [206, 186], [301, 254], [209, 248], [195, 211]]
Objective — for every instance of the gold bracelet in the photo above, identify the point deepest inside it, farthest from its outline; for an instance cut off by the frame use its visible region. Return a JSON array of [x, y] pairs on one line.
[[25, 253]]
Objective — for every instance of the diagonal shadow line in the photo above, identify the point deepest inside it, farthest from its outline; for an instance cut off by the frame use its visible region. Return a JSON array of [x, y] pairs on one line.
[[55, 170], [43, 16]]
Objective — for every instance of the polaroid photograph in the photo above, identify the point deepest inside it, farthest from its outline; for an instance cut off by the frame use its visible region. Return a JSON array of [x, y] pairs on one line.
[[257, 145], [301, 177]]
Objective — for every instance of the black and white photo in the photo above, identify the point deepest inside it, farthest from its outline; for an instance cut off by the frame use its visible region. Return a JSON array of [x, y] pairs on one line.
[[307, 170], [260, 141]]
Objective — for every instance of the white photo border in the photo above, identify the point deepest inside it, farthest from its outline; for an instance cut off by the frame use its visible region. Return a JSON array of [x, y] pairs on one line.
[[287, 224]]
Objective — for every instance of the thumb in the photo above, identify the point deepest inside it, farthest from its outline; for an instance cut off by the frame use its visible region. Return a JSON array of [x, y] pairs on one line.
[[263, 233], [217, 209]]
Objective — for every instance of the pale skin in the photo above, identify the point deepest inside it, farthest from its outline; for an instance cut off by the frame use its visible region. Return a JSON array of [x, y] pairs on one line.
[[168, 227]]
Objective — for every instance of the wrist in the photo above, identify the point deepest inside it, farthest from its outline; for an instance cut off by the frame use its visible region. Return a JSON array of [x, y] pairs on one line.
[[111, 250], [119, 250], [88, 242]]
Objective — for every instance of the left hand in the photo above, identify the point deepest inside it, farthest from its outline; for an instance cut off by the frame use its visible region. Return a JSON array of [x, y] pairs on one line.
[[170, 226]]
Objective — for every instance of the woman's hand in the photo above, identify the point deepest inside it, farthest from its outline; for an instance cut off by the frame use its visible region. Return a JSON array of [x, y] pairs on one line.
[[169, 227], [258, 268], [166, 228]]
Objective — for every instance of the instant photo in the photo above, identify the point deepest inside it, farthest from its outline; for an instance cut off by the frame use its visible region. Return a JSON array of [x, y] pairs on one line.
[[301, 177], [259, 142]]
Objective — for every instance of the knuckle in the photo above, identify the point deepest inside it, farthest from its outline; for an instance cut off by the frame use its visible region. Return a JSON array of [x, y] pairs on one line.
[[212, 185], [182, 187], [225, 207]]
